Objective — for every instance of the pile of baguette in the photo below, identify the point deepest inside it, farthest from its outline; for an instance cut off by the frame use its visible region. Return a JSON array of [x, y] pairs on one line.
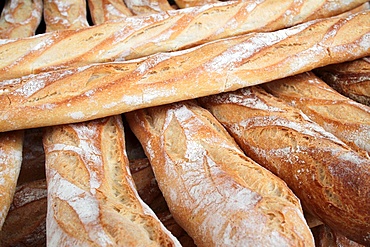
[[185, 123]]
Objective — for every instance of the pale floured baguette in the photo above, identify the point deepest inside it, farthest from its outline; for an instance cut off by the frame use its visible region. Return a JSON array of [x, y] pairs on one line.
[[167, 31], [64, 14], [107, 10], [10, 165], [99, 90], [25, 224], [351, 79], [114, 215], [20, 18], [92, 198], [193, 3], [29, 206], [218, 195], [147, 7], [343, 117], [331, 179]]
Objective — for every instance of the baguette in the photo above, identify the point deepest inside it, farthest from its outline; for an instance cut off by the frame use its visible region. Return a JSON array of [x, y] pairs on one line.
[[192, 3], [10, 165], [99, 90], [138, 36], [29, 206], [343, 117], [147, 7], [351, 79], [331, 180], [114, 214], [20, 18], [25, 224], [102, 11], [214, 192], [91, 194], [66, 14]]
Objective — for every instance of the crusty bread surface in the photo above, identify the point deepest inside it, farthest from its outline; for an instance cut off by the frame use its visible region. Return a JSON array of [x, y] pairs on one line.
[[331, 179], [20, 18], [218, 195], [92, 198], [351, 79], [166, 31], [99, 90], [102, 11], [66, 14], [343, 117]]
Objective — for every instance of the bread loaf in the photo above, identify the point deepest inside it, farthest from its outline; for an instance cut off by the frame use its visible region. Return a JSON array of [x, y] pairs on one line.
[[66, 14], [351, 79], [25, 224], [20, 18], [147, 7], [10, 165], [102, 11], [331, 180], [92, 198], [343, 117], [218, 195], [192, 3], [167, 31], [99, 90]]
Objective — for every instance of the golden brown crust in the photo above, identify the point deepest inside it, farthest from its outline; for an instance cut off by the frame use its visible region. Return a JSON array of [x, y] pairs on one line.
[[20, 18], [10, 165], [217, 194], [350, 78], [343, 117], [192, 3], [167, 31], [147, 7], [65, 14], [91, 194], [331, 180], [84, 93], [102, 11]]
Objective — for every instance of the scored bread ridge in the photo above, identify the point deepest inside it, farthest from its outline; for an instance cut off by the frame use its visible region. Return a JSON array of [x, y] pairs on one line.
[[10, 165], [351, 79], [20, 19], [139, 36], [97, 202], [331, 179], [66, 14], [107, 10], [147, 7], [99, 90], [214, 192], [343, 117]]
